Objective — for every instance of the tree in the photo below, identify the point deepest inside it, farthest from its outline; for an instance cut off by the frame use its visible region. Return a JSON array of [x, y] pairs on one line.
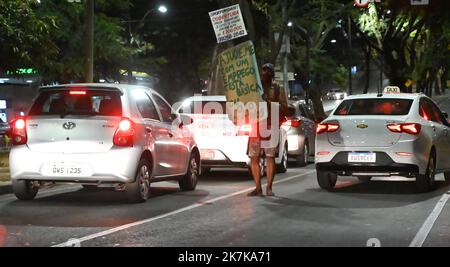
[[25, 37], [314, 21], [407, 39]]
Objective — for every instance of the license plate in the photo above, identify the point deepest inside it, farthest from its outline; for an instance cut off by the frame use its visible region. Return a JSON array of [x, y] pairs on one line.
[[208, 154], [362, 157], [66, 170]]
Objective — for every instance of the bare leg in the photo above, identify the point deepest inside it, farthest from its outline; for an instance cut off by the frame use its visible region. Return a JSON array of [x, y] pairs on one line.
[[271, 169], [256, 175]]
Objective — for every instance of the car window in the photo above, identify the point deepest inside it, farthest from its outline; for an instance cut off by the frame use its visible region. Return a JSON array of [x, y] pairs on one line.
[[374, 107], [164, 108], [81, 102], [429, 111], [146, 107]]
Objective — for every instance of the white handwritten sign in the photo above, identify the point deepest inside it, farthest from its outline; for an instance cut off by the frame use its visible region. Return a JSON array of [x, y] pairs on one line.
[[228, 23]]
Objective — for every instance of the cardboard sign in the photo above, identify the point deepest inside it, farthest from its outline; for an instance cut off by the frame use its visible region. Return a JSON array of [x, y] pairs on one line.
[[228, 23], [241, 77]]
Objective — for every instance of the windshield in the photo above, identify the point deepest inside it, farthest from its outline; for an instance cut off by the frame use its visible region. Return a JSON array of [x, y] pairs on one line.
[[394, 107], [66, 102]]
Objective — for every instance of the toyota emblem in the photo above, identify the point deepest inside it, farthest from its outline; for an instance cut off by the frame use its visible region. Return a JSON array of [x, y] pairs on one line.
[[69, 125]]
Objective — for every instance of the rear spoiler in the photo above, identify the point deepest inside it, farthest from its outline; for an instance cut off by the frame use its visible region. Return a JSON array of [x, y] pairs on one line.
[[80, 87]]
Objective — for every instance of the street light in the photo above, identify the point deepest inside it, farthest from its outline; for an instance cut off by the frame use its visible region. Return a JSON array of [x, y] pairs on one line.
[[290, 24], [333, 41], [162, 9]]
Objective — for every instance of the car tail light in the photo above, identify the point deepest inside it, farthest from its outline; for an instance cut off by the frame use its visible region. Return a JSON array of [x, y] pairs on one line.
[[409, 128], [124, 135], [327, 127], [245, 130], [19, 132], [292, 123]]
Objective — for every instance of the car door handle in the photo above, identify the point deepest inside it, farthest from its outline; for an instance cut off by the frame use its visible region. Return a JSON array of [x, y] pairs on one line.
[[148, 129], [170, 134]]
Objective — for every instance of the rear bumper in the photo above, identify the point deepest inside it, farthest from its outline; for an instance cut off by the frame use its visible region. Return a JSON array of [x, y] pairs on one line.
[[223, 164], [383, 166], [405, 170], [115, 166]]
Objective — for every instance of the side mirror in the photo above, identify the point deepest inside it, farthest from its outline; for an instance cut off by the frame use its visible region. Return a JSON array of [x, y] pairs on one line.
[[445, 114], [185, 120]]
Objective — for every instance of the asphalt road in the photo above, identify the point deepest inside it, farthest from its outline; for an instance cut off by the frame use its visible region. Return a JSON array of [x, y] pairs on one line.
[[218, 213]]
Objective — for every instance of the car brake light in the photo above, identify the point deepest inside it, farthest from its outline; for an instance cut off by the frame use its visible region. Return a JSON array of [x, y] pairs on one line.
[[327, 127], [409, 128], [292, 123], [245, 130], [124, 135], [19, 132], [78, 92]]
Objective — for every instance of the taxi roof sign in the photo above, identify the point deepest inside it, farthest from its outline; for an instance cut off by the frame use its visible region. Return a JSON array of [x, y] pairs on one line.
[[392, 90]]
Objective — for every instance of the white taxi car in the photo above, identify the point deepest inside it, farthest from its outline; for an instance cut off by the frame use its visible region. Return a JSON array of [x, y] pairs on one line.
[[223, 144], [384, 135]]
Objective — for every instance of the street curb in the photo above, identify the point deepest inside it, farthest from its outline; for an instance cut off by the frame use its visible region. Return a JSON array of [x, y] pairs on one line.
[[5, 188]]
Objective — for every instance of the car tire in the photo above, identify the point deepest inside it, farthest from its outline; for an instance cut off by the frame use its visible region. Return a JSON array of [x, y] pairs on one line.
[[447, 176], [139, 190], [426, 182], [327, 180], [303, 159], [24, 190], [282, 167], [365, 179], [189, 181]]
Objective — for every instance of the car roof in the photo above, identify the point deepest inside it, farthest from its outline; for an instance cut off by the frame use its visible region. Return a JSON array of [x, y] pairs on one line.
[[218, 98], [386, 96]]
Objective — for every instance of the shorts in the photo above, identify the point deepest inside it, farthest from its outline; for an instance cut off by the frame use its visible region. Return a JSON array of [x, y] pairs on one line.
[[255, 150]]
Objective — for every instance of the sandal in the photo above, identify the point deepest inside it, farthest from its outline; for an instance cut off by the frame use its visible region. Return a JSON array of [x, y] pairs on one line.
[[255, 193], [269, 193]]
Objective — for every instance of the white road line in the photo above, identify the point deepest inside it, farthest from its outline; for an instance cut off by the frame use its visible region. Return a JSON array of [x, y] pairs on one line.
[[191, 207], [425, 230]]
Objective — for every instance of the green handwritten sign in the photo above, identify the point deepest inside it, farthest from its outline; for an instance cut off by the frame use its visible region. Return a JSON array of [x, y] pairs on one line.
[[240, 74]]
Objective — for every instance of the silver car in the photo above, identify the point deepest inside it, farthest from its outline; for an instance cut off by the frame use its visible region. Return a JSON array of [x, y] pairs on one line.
[[98, 134], [389, 135], [223, 144], [301, 133], [336, 94]]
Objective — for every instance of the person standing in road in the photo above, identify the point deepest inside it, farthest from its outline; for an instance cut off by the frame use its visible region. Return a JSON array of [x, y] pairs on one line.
[[273, 93]]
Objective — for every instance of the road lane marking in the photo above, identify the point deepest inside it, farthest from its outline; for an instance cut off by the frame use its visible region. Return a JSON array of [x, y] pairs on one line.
[[425, 230], [191, 207]]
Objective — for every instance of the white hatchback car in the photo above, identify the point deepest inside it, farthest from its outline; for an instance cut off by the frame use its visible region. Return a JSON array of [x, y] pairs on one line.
[[94, 134], [384, 135], [223, 144]]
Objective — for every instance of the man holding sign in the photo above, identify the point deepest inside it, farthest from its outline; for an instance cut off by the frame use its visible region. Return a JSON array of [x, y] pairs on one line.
[[276, 99]]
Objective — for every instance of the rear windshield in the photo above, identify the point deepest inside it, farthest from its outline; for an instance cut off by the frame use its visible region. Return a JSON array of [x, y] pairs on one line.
[[205, 107], [86, 102], [394, 107]]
